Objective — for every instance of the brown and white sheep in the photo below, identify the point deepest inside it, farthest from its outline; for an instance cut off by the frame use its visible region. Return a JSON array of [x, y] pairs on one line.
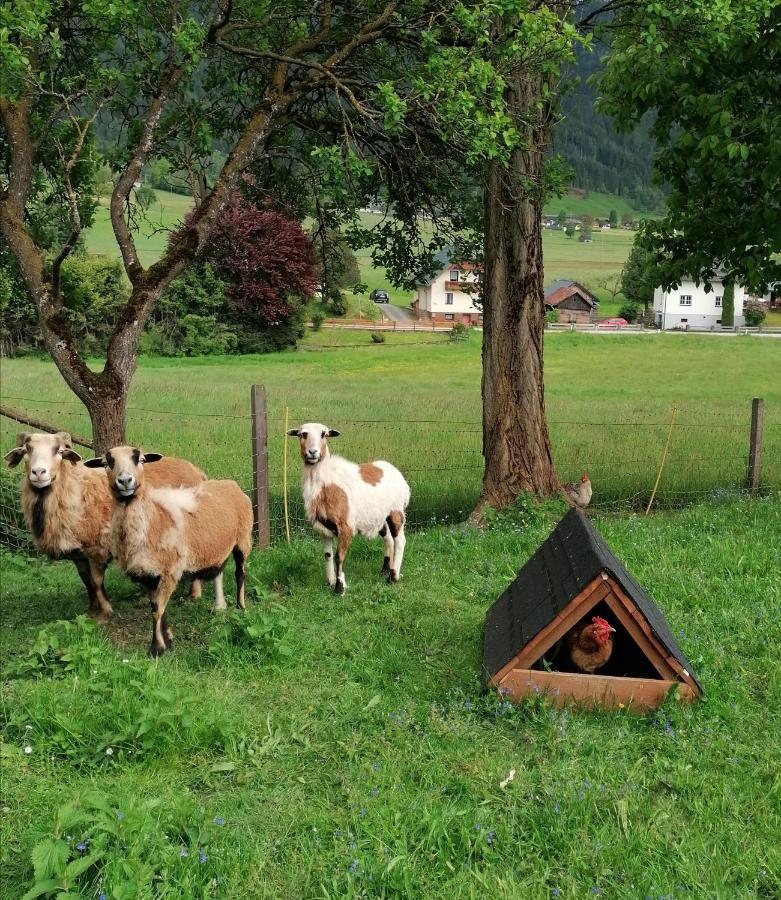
[[158, 535], [343, 499], [68, 507]]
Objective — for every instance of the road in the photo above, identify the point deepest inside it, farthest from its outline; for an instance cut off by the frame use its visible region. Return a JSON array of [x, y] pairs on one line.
[[396, 313]]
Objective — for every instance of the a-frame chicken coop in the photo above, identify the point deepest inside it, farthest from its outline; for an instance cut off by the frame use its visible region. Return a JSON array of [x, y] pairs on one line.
[[571, 578]]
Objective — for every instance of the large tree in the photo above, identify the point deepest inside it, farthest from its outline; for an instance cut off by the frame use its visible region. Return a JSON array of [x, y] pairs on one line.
[[708, 70], [297, 90]]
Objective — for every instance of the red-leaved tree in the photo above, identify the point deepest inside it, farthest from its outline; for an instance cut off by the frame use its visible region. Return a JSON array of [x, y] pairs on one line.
[[266, 259]]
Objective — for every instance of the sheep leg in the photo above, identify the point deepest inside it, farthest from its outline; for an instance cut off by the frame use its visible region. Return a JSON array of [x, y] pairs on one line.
[[239, 558], [99, 607], [196, 589], [343, 538], [162, 635], [395, 523], [388, 541], [328, 552], [219, 595]]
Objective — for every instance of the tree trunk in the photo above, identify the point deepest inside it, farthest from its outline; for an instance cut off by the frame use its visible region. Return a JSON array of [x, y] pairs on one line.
[[516, 445]]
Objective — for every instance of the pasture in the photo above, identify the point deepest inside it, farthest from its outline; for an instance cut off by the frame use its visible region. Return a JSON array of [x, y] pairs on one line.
[[322, 747], [416, 400]]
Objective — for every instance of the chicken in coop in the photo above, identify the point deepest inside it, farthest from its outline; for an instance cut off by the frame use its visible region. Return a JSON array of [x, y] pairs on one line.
[[579, 493], [591, 646]]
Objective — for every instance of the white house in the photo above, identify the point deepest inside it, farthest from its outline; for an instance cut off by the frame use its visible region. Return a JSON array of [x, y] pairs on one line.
[[689, 305], [450, 295]]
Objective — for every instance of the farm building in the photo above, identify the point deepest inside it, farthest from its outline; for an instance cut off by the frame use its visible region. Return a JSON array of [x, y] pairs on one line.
[[574, 302], [450, 295], [571, 578]]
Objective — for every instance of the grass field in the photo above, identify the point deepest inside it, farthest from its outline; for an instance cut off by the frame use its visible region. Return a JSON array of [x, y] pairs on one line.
[[595, 264], [342, 748], [416, 400]]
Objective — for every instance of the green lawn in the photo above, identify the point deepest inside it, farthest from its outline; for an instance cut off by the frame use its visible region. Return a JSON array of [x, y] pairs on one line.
[[416, 400], [596, 264], [594, 204], [349, 751]]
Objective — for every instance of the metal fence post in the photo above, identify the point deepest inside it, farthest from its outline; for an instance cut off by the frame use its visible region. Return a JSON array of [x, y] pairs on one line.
[[260, 465], [755, 444]]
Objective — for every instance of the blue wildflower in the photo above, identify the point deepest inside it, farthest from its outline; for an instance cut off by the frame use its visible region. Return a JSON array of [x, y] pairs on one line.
[[202, 857], [352, 844], [81, 846], [374, 792], [339, 833], [555, 892], [184, 852], [468, 704], [376, 767], [557, 808], [362, 813], [596, 890], [218, 820], [478, 826], [489, 838], [353, 867], [120, 815], [102, 895]]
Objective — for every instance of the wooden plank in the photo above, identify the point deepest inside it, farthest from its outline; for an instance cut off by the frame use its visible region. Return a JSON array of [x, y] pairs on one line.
[[655, 657], [639, 618], [260, 465], [638, 694], [755, 444], [572, 613]]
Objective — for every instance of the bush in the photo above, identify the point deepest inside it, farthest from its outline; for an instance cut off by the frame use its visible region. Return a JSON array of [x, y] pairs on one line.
[[552, 316], [318, 317], [754, 313], [378, 338], [459, 332], [145, 197], [630, 311]]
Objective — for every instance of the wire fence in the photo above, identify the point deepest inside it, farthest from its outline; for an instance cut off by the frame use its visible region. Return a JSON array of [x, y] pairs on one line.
[[708, 455]]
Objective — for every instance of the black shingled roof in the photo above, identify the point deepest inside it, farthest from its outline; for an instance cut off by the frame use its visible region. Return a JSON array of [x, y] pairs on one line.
[[573, 555]]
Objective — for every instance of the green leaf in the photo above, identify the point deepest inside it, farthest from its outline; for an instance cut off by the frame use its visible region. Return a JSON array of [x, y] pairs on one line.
[[77, 866], [49, 858], [224, 766], [373, 702], [42, 887]]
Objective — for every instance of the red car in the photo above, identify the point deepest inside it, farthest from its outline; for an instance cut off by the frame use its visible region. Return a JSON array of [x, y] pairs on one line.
[[612, 323]]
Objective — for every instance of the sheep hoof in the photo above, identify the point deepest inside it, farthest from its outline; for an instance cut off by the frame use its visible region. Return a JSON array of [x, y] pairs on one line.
[[155, 651], [339, 588], [393, 578], [386, 564]]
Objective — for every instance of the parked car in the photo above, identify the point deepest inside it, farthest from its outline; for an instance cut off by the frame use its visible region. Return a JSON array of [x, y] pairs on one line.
[[379, 296], [612, 323]]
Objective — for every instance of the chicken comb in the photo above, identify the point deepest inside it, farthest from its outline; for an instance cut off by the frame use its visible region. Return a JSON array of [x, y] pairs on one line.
[[602, 623]]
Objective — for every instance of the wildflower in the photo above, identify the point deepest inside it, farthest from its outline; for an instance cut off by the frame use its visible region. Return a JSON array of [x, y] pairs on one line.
[[762, 874], [468, 704], [374, 792], [478, 826], [557, 808], [352, 843], [28, 728], [28, 749], [109, 751], [81, 846], [362, 813], [120, 815], [125, 660], [376, 767], [184, 853], [555, 892], [489, 838], [338, 833], [218, 820], [202, 857], [596, 890], [102, 895], [353, 867]]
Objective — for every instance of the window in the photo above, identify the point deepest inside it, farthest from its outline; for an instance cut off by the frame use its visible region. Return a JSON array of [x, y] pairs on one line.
[[448, 316], [684, 320], [448, 299], [718, 302], [454, 274], [686, 300]]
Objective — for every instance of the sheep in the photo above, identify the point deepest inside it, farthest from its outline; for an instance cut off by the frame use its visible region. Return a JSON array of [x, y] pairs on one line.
[[68, 507], [160, 534], [343, 498]]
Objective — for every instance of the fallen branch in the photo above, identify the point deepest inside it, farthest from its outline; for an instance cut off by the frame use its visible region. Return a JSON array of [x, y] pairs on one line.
[[24, 419]]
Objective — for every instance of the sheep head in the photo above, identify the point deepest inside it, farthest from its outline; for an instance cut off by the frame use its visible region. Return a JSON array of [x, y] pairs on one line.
[[313, 441], [43, 455], [124, 469]]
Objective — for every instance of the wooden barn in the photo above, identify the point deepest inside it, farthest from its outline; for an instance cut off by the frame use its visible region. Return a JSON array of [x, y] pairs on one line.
[[572, 578], [574, 302]]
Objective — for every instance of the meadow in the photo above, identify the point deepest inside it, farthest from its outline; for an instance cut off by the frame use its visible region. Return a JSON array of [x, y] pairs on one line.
[[318, 747], [416, 400]]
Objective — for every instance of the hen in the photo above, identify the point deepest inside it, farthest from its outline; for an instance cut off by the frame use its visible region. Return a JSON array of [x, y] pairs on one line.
[[579, 493], [590, 647]]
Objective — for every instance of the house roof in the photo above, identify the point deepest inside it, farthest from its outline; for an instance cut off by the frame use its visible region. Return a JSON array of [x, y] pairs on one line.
[[571, 558], [565, 287]]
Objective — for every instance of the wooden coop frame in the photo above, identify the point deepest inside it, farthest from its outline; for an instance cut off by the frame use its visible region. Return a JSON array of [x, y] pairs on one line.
[[571, 573]]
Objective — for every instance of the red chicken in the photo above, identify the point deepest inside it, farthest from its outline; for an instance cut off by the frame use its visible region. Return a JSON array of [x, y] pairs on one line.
[[590, 647], [579, 494]]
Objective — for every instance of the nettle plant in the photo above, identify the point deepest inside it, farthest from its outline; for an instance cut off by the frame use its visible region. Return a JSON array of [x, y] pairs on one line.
[[259, 633], [102, 847]]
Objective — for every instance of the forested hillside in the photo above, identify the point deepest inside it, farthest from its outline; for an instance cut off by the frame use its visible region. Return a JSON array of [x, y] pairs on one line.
[[604, 160]]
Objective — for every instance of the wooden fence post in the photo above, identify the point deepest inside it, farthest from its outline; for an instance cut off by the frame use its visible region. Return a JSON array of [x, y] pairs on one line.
[[260, 465], [755, 444]]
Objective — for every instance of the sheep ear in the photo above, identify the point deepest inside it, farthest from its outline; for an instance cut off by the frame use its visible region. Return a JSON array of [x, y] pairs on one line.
[[15, 456], [151, 457], [71, 455], [97, 462], [293, 433], [21, 438], [333, 433], [65, 438]]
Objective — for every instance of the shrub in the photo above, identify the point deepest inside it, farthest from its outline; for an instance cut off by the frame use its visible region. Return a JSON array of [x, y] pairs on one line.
[[145, 197], [459, 332], [754, 313], [378, 337], [258, 634], [318, 317], [552, 316], [630, 311]]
